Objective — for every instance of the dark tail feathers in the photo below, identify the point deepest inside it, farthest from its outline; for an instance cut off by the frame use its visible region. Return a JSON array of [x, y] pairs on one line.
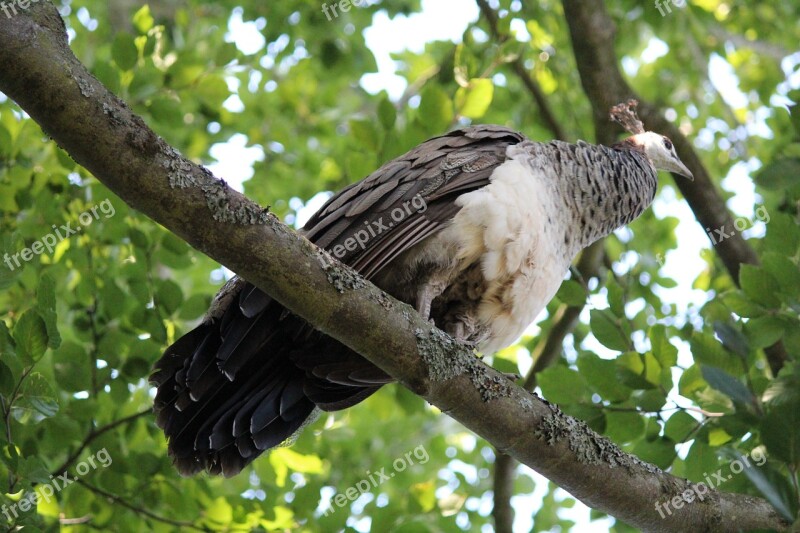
[[248, 379]]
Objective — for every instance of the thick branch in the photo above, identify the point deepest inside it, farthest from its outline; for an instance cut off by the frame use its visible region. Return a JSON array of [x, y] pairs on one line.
[[503, 483], [592, 32], [38, 71]]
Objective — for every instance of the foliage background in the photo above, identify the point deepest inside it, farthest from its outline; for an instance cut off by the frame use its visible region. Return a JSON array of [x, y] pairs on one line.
[[81, 327]]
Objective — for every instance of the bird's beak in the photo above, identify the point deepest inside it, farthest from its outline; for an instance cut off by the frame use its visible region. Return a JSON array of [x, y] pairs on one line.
[[680, 168]]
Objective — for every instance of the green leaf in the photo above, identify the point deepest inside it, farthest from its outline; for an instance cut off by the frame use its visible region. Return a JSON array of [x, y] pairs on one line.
[[709, 351], [359, 165], [33, 469], [607, 330], [651, 400], [474, 100], [219, 511], [425, 495], [786, 387], [740, 304], [700, 461], [143, 20], [780, 432], [7, 347], [387, 114], [212, 90], [660, 452], [779, 174], [783, 234], [6, 143], [785, 271], [37, 395], [632, 370], [562, 385], [601, 375], [663, 350], [366, 134], [7, 275], [72, 367], [169, 295], [764, 331], [306, 464], [7, 381], [124, 51], [195, 306], [435, 109], [284, 519], [727, 385], [731, 338], [759, 285], [622, 427], [175, 244], [572, 293], [226, 53], [166, 111], [680, 426], [616, 296], [769, 483], [691, 381], [136, 367], [46, 305], [30, 334]]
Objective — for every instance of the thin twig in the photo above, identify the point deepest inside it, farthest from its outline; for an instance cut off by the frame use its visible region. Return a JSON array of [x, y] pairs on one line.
[[139, 510], [7, 419], [530, 84], [93, 434]]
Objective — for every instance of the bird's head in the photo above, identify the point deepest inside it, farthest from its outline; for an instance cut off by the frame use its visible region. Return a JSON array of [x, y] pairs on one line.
[[660, 151]]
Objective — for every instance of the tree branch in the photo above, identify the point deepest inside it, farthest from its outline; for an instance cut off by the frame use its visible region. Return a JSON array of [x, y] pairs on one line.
[[39, 71], [503, 483], [93, 434], [518, 65], [139, 510]]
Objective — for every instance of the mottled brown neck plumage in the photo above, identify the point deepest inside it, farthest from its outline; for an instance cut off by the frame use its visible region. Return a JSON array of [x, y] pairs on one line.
[[596, 189]]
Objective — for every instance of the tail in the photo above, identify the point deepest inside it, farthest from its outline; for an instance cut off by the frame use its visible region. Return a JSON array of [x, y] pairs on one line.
[[249, 378]]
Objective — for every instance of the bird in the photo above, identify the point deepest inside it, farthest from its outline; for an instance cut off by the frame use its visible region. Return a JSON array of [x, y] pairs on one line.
[[475, 228]]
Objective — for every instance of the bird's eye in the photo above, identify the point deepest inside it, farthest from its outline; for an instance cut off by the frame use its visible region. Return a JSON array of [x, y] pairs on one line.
[[667, 144]]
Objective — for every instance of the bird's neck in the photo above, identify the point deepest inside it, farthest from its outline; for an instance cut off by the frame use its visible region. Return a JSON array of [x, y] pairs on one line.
[[611, 187], [596, 189]]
